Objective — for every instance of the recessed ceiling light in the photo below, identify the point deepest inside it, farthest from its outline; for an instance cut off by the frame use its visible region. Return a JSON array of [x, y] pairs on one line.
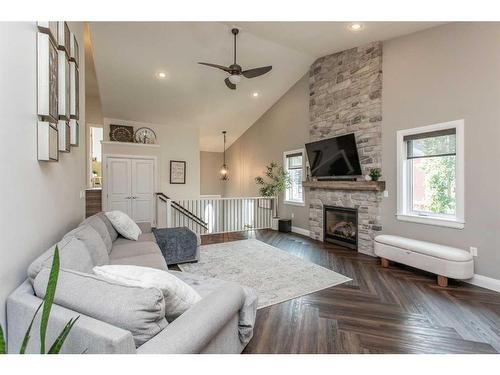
[[161, 75], [255, 94], [356, 26]]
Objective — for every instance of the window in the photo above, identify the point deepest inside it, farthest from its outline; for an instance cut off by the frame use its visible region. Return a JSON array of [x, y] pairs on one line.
[[431, 175], [294, 165]]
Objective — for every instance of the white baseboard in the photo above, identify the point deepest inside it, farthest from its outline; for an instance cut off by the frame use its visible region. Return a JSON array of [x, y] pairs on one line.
[[485, 282], [301, 231]]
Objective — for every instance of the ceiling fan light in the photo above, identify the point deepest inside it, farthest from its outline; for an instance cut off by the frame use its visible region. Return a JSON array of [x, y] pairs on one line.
[[234, 79]]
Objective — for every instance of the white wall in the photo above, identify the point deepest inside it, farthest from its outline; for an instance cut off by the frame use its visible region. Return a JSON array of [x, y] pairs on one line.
[[176, 143], [40, 201], [210, 182], [447, 73]]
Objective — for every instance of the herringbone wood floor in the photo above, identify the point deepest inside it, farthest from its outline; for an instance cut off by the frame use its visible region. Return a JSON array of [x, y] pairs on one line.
[[394, 310]]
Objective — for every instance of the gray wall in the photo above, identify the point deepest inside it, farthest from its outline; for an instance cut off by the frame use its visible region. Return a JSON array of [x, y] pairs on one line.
[[210, 182], [442, 74], [39, 201], [284, 127]]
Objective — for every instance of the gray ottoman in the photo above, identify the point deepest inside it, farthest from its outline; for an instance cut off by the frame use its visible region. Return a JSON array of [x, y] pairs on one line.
[[178, 245]]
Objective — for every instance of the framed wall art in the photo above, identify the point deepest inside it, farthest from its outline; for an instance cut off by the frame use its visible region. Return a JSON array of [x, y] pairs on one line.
[[63, 37], [47, 85], [64, 87], [49, 27], [74, 53], [63, 132], [74, 107], [48, 142], [74, 132], [177, 172], [121, 133]]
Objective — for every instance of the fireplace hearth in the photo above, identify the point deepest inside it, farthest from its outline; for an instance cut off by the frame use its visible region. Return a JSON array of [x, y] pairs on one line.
[[340, 226]]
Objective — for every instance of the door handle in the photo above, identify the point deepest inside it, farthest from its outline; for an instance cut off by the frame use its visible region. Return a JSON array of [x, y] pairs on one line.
[[134, 197], [128, 197]]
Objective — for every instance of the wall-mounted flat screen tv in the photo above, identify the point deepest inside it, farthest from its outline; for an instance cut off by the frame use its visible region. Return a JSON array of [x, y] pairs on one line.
[[334, 157]]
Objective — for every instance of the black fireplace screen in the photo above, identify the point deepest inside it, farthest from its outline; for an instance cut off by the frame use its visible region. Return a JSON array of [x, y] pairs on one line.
[[341, 226]]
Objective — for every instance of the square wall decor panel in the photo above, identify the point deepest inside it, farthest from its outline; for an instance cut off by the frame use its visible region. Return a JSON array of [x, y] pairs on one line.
[[74, 107], [63, 131], [74, 132], [63, 85], [63, 37], [74, 53], [47, 65], [49, 27], [48, 142]]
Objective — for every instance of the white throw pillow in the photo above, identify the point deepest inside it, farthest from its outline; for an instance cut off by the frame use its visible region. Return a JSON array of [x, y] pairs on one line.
[[124, 224], [178, 295]]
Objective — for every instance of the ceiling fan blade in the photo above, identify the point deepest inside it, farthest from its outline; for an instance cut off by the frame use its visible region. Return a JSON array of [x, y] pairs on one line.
[[228, 83], [252, 73], [216, 66]]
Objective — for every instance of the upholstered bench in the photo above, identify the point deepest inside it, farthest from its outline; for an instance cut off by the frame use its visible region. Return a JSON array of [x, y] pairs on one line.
[[442, 260]]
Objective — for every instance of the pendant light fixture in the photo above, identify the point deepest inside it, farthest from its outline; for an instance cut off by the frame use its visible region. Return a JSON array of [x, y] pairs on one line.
[[223, 170]]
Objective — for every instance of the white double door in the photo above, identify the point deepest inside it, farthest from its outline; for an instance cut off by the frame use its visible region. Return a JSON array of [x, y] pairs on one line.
[[131, 186]]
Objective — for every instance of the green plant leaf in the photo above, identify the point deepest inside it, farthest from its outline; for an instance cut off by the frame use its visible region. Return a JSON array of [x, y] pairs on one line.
[[27, 335], [58, 343], [2, 341], [49, 299]]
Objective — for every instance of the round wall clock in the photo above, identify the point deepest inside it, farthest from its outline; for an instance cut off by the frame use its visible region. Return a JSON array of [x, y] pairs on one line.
[[145, 135]]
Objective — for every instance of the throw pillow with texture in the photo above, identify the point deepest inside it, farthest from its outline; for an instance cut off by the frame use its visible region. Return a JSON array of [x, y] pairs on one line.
[[124, 224], [178, 295]]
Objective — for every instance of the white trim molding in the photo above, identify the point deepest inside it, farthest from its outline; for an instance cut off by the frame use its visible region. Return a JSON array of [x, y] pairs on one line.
[[485, 282], [403, 190]]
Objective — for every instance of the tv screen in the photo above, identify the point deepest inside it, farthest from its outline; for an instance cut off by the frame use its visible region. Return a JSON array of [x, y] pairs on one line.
[[334, 157]]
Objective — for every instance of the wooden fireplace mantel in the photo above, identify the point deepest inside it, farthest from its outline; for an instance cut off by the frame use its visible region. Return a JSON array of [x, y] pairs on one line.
[[346, 185]]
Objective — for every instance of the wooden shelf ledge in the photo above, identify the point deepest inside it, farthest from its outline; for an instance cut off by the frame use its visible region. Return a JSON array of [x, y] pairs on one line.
[[346, 185]]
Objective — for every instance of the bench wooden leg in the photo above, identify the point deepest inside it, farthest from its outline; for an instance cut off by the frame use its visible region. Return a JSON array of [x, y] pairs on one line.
[[384, 262], [442, 281]]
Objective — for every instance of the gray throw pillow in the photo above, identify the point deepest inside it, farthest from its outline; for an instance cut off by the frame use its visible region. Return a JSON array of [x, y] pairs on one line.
[[98, 224], [73, 255], [111, 229], [94, 243], [138, 310]]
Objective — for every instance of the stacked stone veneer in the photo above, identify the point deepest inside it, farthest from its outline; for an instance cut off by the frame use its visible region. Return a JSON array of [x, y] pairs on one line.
[[346, 97]]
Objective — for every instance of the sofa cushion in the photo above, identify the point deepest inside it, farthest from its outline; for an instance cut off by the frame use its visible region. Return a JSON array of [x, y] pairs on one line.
[[178, 296], [138, 310], [98, 224], [150, 237], [113, 234], [127, 248], [73, 255], [94, 243], [154, 260], [124, 224]]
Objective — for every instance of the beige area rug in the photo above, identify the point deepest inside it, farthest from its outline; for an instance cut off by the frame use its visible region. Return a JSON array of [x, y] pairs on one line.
[[276, 275]]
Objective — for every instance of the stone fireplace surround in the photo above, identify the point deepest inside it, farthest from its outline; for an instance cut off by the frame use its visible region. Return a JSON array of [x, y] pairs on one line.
[[345, 91]]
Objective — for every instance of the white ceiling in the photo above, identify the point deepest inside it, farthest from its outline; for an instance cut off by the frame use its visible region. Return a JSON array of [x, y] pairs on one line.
[[128, 54]]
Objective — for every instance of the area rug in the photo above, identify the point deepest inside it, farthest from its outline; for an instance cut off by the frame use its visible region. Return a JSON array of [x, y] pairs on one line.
[[276, 275]]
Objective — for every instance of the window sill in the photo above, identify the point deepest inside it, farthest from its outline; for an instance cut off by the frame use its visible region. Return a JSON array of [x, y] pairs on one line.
[[295, 203], [441, 222]]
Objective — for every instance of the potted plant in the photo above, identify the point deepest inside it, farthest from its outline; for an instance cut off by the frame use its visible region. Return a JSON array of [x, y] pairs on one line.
[[48, 300], [275, 182], [375, 174]]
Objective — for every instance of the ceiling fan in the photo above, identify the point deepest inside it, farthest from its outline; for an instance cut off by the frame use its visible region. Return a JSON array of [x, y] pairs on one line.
[[235, 70]]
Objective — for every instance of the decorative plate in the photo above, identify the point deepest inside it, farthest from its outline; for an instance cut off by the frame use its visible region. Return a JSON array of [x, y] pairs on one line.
[[145, 135], [121, 133]]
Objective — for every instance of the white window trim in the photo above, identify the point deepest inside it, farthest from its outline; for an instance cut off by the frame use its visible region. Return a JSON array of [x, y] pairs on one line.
[[403, 190], [285, 165]]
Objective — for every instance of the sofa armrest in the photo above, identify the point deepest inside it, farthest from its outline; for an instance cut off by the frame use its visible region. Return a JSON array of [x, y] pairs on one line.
[[88, 335], [193, 330]]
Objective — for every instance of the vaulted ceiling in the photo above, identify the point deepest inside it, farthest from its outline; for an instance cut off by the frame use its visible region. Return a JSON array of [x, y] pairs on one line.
[[128, 55]]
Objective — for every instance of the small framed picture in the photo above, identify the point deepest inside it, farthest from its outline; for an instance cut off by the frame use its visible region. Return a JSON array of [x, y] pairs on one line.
[[177, 172], [49, 27], [48, 75], [63, 37]]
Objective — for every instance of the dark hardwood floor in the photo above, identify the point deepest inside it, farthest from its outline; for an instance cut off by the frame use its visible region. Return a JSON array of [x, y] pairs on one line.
[[382, 310]]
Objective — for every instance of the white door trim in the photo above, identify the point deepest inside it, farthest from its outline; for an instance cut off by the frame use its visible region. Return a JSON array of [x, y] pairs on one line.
[[105, 158]]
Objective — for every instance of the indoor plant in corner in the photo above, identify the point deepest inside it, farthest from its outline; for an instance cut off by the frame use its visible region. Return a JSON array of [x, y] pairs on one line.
[[47, 305], [278, 180]]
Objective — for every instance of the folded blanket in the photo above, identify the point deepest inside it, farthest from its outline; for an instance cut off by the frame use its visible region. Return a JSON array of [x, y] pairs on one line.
[[206, 285], [178, 245]]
